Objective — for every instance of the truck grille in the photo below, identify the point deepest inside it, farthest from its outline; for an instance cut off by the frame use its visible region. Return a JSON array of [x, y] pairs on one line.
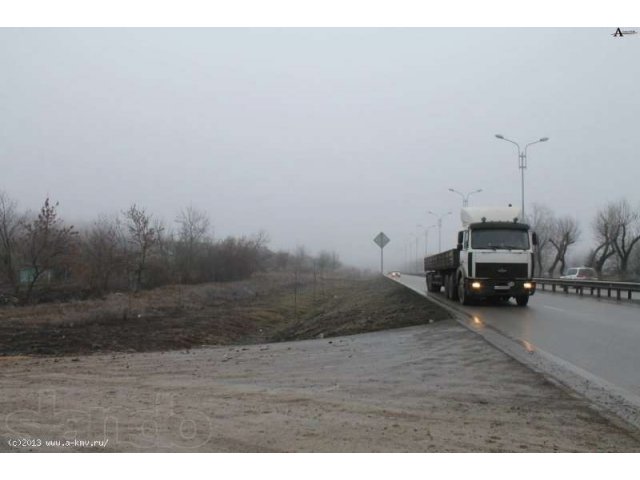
[[501, 270]]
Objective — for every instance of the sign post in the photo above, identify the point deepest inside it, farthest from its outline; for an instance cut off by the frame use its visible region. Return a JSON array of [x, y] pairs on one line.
[[381, 240]]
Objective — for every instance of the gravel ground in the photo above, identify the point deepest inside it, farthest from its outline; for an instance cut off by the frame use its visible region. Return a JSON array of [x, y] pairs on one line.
[[431, 388]]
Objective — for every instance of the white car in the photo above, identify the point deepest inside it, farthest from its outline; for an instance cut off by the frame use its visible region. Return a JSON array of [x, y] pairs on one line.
[[580, 273]]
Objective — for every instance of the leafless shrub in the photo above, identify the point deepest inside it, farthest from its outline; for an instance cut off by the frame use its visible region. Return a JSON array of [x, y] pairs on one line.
[[46, 244], [10, 222], [191, 244], [103, 254]]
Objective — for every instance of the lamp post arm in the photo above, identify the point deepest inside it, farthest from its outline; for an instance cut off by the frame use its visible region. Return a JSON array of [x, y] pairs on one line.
[[529, 144], [466, 201], [515, 143], [525, 151], [459, 193]]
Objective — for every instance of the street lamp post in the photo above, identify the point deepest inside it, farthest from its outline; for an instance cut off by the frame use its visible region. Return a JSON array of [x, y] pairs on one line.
[[409, 250], [426, 239], [522, 161], [439, 217], [418, 226], [465, 198], [406, 254], [413, 255]]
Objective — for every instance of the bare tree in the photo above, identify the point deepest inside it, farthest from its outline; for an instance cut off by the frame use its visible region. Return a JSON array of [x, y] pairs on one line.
[[634, 264], [45, 242], [299, 261], [259, 241], [103, 252], [565, 232], [627, 233], [605, 230], [325, 261], [335, 261], [542, 221], [281, 260], [194, 225], [193, 230], [160, 267], [142, 237], [10, 221]]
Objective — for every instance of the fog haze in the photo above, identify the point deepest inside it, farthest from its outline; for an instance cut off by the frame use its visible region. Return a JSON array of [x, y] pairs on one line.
[[320, 137]]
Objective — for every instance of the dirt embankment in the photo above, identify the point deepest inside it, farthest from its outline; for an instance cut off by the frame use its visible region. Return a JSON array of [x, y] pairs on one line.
[[265, 308], [435, 387], [429, 388]]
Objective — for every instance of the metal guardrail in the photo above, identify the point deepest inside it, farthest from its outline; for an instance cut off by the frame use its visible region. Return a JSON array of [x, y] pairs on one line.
[[593, 286]]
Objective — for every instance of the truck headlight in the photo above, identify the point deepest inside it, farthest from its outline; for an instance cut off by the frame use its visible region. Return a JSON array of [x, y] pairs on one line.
[[528, 285], [475, 285]]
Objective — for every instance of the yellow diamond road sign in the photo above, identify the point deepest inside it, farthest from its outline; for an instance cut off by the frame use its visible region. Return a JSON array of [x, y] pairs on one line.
[[381, 239]]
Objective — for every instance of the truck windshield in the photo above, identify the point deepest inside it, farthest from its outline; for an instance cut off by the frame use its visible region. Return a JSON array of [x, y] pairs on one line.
[[509, 239]]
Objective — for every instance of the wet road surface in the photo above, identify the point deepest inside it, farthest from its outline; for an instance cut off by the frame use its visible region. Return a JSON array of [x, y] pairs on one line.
[[601, 337]]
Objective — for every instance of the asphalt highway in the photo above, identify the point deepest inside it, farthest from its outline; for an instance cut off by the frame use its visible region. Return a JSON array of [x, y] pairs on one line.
[[601, 337]]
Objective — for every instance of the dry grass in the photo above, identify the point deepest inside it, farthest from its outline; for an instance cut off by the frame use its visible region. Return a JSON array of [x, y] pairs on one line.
[[262, 309]]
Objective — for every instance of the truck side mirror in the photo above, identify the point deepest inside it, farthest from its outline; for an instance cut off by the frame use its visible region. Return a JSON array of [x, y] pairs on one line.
[[534, 238], [460, 239]]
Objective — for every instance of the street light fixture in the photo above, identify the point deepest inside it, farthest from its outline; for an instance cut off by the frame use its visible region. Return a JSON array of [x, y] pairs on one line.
[[439, 217], [465, 198], [522, 160]]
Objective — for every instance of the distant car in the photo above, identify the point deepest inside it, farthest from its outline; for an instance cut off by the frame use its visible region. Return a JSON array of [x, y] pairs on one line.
[[580, 273], [394, 274]]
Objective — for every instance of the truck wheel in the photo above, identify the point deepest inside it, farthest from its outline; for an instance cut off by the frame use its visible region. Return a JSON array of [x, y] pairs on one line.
[[453, 288], [432, 286], [522, 300], [463, 298], [435, 287]]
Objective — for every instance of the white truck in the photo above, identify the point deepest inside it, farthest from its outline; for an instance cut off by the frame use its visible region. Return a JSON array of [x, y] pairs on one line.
[[493, 259]]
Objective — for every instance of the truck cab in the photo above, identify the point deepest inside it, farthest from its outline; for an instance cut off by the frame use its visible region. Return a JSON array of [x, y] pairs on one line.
[[493, 258]]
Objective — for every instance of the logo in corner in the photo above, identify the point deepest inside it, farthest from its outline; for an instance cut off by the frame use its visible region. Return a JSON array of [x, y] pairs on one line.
[[621, 33]]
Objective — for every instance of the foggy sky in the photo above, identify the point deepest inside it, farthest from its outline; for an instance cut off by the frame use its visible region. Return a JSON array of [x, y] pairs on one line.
[[321, 137]]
